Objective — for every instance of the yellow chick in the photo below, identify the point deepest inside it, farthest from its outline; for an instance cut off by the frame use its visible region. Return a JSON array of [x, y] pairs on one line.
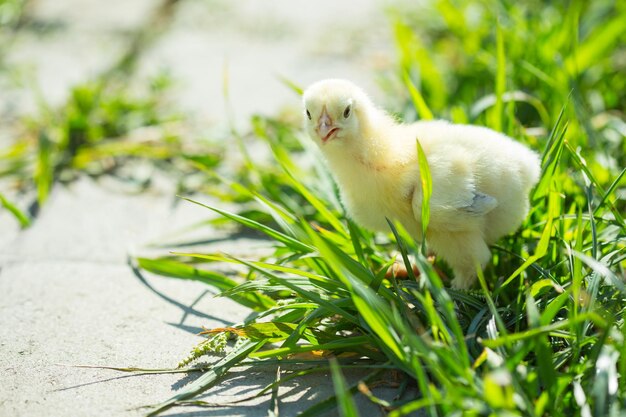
[[480, 178]]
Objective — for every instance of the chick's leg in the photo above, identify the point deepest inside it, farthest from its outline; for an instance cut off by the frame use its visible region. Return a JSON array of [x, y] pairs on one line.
[[462, 251]]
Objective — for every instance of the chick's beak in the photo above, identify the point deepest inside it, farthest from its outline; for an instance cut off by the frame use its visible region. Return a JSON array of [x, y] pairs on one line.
[[325, 127]]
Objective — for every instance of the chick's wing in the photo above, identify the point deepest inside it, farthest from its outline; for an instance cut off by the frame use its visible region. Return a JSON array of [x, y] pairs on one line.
[[455, 203]]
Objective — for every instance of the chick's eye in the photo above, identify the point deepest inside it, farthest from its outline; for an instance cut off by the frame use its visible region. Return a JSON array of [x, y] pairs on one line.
[[308, 114], [346, 112]]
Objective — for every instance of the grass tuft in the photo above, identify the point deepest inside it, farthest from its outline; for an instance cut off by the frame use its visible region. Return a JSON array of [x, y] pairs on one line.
[[544, 334]]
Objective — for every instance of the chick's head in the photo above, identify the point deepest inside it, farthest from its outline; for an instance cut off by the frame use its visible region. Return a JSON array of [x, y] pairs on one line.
[[333, 111]]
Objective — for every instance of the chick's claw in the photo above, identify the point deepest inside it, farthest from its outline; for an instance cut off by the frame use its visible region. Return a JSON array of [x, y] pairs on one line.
[[399, 270]]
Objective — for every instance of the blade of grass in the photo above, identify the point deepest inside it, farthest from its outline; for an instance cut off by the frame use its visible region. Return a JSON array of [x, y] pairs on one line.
[[258, 264], [609, 191], [426, 190], [331, 402], [418, 100], [274, 401], [174, 269], [274, 234], [291, 85], [542, 247], [551, 158], [44, 170], [344, 343], [347, 407], [500, 86], [402, 246], [211, 377], [16, 212], [318, 204]]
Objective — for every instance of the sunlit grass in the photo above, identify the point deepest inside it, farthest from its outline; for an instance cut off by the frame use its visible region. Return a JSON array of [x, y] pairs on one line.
[[544, 334], [98, 131]]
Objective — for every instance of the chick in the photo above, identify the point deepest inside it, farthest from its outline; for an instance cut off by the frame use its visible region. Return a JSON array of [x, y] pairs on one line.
[[480, 178]]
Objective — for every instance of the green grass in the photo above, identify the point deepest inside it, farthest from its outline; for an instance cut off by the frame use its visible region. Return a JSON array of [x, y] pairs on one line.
[[101, 128], [544, 334]]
